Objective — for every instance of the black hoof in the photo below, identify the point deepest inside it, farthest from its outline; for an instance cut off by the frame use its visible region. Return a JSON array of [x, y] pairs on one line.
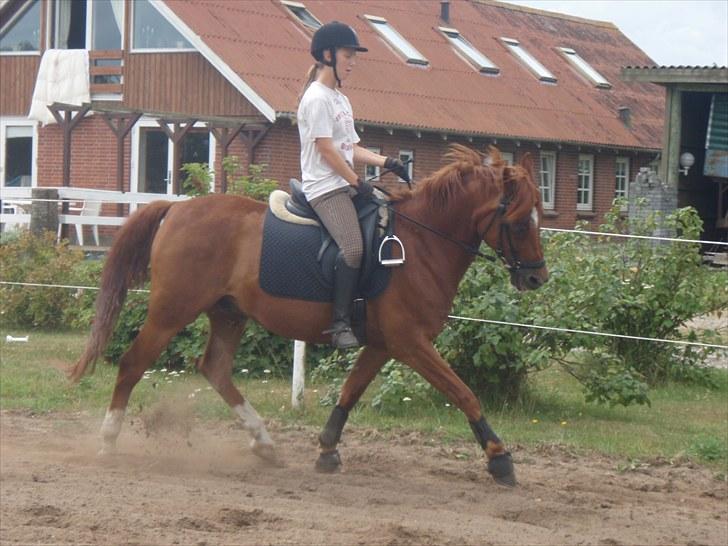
[[328, 462], [501, 468]]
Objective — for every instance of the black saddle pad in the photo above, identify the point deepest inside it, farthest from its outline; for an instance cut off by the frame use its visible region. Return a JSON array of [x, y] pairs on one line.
[[289, 265]]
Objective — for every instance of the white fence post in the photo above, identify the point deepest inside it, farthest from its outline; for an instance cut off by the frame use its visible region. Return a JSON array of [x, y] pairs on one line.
[[299, 373]]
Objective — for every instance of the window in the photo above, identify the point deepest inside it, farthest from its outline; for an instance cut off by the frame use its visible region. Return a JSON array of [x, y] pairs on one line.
[[548, 179], [22, 33], [302, 14], [404, 157], [621, 176], [71, 28], [481, 62], [397, 41], [151, 31], [529, 60], [153, 154], [585, 68], [18, 153], [371, 172], [585, 174], [507, 157]]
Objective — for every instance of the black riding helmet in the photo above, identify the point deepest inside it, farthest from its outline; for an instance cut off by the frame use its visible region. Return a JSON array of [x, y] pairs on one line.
[[332, 36]]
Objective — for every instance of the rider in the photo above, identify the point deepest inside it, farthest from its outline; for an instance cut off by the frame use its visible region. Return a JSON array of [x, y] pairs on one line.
[[328, 149]]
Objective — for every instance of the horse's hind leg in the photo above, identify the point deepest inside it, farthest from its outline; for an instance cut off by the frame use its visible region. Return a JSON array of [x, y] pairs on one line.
[[367, 366], [145, 349], [226, 328]]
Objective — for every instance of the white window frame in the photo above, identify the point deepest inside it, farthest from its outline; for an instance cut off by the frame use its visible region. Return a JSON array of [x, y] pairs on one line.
[[396, 41], [375, 168], [408, 155], [617, 176], [132, 47], [508, 158], [150, 123], [584, 68], [589, 189], [6, 122], [541, 72], [52, 26], [11, 22], [551, 179], [291, 6], [469, 52]]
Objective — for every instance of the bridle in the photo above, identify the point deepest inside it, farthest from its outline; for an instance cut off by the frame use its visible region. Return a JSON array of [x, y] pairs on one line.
[[505, 234], [514, 265]]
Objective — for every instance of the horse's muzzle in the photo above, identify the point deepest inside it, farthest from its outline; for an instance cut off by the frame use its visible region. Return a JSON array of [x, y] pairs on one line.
[[529, 279]]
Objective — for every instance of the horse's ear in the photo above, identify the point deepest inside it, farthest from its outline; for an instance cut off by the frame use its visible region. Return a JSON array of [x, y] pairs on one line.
[[494, 156], [527, 163]]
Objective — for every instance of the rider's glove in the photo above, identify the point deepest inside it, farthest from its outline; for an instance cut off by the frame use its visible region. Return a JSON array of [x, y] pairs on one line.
[[364, 188], [397, 167]]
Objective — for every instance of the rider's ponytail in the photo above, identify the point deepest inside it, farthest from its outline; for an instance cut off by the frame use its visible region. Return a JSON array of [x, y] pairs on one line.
[[310, 77]]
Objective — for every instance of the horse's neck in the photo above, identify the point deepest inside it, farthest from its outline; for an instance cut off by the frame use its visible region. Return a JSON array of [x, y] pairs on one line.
[[447, 260]]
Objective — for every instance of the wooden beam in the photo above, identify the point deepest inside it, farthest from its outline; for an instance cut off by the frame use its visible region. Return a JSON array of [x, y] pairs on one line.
[[176, 134], [120, 124], [225, 136]]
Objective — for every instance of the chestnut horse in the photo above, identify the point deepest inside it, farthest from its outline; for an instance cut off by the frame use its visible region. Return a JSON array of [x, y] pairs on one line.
[[204, 255]]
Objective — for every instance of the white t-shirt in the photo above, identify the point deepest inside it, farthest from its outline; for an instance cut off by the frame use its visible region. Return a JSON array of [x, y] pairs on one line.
[[324, 113]]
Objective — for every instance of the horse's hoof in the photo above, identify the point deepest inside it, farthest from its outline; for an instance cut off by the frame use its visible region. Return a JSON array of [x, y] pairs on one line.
[[329, 462], [501, 468], [267, 452]]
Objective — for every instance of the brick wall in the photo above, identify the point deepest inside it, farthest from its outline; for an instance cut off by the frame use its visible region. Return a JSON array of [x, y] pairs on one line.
[[93, 161]]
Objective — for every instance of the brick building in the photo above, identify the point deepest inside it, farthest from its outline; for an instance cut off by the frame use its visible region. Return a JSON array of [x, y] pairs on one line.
[[477, 72]]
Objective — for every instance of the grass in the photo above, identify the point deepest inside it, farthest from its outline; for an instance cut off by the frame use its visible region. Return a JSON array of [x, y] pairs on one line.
[[684, 421]]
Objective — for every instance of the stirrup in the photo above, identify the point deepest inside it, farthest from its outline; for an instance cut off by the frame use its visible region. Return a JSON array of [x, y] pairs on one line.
[[343, 337], [391, 262]]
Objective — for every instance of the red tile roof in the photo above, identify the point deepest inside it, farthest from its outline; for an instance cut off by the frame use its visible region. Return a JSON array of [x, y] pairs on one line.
[[268, 49]]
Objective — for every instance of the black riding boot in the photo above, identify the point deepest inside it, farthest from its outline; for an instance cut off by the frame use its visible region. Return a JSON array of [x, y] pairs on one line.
[[345, 281]]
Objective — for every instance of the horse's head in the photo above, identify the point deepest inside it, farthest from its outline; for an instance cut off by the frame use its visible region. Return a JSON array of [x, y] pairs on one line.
[[509, 219]]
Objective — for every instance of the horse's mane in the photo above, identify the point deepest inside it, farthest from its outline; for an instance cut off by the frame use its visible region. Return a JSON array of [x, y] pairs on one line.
[[465, 164]]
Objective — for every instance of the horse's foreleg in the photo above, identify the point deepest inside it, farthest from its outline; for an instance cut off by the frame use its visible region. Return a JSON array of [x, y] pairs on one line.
[[226, 329], [425, 359], [367, 366], [145, 349]]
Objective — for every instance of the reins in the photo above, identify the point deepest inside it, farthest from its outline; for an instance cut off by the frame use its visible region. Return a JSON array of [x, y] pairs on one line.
[[470, 249]]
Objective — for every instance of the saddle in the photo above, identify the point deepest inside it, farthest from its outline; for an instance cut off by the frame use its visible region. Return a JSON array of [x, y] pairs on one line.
[[298, 254]]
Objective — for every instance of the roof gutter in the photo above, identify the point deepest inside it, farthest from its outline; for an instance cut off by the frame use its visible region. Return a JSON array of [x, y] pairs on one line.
[[440, 131]]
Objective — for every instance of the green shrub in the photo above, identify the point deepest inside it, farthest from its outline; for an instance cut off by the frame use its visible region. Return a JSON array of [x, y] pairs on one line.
[[30, 258], [198, 178], [253, 184]]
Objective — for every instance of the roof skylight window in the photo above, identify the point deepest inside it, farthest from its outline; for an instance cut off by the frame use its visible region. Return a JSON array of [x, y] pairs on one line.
[[482, 63], [529, 60], [302, 14], [585, 68], [397, 41]]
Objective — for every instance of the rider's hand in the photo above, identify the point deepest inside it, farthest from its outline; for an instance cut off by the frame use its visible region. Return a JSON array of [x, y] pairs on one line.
[[364, 188], [397, 167]]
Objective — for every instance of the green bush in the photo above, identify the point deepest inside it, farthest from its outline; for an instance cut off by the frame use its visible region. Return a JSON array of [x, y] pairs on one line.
[[253, 184], [29, 258]]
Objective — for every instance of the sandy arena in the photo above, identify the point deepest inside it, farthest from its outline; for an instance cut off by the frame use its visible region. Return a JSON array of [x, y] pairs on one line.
[[175, 483]]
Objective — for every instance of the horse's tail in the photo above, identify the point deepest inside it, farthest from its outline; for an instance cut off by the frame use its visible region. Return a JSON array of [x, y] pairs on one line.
[[126, 266]]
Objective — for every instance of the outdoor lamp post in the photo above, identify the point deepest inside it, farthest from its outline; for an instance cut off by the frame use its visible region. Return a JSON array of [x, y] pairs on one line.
[[687, 160]]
